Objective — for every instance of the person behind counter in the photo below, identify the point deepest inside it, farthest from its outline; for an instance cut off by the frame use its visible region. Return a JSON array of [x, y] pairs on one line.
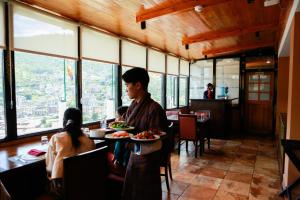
[[70, 142], [209, 93]]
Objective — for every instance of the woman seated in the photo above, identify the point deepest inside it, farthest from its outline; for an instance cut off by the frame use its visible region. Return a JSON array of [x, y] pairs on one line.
[[70, 142]]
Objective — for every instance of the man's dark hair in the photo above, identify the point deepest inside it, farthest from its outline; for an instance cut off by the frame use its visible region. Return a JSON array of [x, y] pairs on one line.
[[135, 75], [210, 85]]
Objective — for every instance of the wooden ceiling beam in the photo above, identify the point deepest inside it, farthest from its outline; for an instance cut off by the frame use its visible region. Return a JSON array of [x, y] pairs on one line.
[[229, 32], [169, 6], [237, 48]]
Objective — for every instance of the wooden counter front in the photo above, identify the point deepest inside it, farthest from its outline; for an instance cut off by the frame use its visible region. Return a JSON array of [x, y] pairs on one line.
[[220, 115]]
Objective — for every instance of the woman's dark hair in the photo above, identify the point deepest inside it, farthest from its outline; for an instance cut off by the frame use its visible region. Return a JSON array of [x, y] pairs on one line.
[[122, 110], [72, 125], [135, 75]]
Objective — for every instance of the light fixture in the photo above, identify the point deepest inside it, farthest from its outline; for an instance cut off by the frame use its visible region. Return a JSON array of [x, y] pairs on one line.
[[268, 61], [198, 8], [271, 2], [143, 25]]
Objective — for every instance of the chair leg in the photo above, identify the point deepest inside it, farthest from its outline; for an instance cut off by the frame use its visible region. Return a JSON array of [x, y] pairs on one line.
[[170, 171], [208, 143], [179, 146], [196, 148], [201, 146], [167, 177], [186, 145]]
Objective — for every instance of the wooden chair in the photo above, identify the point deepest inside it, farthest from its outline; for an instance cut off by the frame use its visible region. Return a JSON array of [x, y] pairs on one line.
[[85, 175], [167, 147], [4, 195], [188, 131], [26, 182]]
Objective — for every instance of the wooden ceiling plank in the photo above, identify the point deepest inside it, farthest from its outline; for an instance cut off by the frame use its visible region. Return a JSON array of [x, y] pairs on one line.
[[237, 48], [169, 6], [230, 32]]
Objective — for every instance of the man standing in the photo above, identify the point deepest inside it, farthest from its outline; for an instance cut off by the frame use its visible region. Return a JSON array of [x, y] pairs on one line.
[[143, 113], [209, 93]]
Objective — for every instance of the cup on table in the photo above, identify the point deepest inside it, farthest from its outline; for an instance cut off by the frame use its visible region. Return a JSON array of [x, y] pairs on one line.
[[44, 140], [86, 130], [103, 124]]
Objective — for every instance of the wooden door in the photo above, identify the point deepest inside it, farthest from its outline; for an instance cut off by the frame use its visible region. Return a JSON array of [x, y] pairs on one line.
[[259, 102]]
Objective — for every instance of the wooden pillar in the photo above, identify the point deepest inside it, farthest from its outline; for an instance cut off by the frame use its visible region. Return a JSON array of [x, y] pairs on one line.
[[282, 89], [293, 111]]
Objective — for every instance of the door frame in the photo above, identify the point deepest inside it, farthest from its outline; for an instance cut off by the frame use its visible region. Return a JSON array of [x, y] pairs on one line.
[[274, 97]]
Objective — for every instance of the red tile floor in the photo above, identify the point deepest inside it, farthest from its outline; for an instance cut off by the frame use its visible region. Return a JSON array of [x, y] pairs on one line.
[[238, 169]]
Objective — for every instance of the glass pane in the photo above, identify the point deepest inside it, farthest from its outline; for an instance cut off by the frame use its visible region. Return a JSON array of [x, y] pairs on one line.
[[183, 91], [264, 78], [2, 118], [227, 78], [155, 86], [201, 74], [264, 96], [45, 87], [264, 88], [253, 78], [98, 99], [253, 87], [172, 85], [125, 99], [253, 96]]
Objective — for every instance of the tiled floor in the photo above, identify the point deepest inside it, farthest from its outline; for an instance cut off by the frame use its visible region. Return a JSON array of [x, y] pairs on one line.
[[240, 169]]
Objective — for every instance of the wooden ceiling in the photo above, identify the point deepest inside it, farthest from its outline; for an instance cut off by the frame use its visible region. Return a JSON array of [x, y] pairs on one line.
[[222, 27]]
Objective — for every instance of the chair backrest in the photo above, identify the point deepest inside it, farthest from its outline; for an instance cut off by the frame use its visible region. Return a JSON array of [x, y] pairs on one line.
[[27, 181], [85, 175], [204, 113], [292, 149], [172, 112], [3, 192], [167, 144], [185, 110], [188, 126]]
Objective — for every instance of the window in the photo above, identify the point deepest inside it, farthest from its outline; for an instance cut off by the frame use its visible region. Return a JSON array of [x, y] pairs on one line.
[[172, 97], [125, 99], [2, 117], [155, 86], [45, 87], [227, 78], [183, 91], [98, 91], [201, 75]]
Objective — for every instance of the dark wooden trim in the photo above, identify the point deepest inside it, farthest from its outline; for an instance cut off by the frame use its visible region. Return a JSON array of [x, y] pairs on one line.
[[119, 78], [214, 74], [78, 82], [188, 86], [9, 80], [97, 60], [275, 95], [178, 84], [45, 54], [164, 86]]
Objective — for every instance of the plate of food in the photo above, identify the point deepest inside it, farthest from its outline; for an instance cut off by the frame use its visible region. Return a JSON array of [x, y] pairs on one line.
[[118, 135], [120, 126], [145, 136]]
